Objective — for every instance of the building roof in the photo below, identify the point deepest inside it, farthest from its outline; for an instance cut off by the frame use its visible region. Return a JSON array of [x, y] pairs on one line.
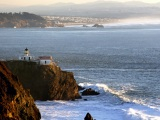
[[45, 57]]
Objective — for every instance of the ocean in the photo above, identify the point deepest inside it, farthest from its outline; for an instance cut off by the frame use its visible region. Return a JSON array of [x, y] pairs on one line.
[[122, 62]]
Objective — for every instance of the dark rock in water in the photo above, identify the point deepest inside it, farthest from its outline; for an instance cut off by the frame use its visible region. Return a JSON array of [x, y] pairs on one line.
[[80, 88], [97, 25], [46, 82], [90, 92], [16, 103], [85, 99], [88, 117]]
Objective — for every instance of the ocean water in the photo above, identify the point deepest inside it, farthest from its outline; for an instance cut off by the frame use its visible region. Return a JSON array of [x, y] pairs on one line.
[[122, 62]]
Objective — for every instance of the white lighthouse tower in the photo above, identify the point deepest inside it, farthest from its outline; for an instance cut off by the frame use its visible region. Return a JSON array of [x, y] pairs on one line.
[[26, 56], [26, 52]]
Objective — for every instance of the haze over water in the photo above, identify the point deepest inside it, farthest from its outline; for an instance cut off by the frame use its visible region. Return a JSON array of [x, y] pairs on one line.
[[120, 61]]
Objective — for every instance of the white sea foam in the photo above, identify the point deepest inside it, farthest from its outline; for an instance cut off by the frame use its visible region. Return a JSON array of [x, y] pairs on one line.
[[144, 113], [97, 87], [118, 95], [104, 88], [76, 110]]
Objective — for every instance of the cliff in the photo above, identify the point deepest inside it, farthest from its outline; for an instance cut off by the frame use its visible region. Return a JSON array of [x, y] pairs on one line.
[[46, 82], [15, 102]]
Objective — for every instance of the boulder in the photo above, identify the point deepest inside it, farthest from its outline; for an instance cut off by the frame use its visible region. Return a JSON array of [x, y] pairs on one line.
[[16, 103], [46, 82], [90, 92], [88, 117], [97, 25]]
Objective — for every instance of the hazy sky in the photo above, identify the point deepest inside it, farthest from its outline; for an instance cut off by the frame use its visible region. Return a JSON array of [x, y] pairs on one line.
[[46, 2]]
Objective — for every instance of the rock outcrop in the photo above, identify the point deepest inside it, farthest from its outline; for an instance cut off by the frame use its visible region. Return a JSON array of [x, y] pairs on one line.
[[88, 117], [98, 26], [16, 103], [46, 82], [90, 92]]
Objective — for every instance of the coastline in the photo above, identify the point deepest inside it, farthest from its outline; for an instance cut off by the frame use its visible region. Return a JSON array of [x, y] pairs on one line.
[[114, 61]]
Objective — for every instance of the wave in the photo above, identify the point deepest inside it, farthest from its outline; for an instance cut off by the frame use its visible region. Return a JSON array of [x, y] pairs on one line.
[[101, 107], [110, 104], [134, 109], [121, 95], [144, 113], [112, 96]]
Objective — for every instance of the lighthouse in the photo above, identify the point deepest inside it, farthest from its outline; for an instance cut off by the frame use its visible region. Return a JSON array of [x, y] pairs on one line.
[[26, 52], [27, 56]]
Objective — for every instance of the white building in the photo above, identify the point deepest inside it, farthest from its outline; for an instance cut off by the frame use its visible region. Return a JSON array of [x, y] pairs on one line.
[[26, 56], [45, 60], [42, 60]]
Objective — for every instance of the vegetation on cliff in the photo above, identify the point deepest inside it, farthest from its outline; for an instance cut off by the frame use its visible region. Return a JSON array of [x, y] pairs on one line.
[[46, 82], [16, 103], [24, 19]]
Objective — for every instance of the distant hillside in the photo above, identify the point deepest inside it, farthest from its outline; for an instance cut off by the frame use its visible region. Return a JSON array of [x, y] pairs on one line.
[[22, 16], [101, 9], [23, 19]]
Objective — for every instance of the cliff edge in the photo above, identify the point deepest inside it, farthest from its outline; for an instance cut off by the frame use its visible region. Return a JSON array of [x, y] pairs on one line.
[[15, 102], [46, 82]]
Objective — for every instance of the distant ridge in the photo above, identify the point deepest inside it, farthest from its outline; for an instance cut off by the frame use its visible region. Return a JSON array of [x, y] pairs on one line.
[[100, 9]]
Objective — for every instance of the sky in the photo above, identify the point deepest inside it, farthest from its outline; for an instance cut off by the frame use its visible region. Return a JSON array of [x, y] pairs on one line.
[[47, 2]]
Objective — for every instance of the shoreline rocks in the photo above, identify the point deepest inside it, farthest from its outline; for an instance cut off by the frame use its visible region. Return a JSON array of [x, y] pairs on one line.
[[88, 117], [89, 92]]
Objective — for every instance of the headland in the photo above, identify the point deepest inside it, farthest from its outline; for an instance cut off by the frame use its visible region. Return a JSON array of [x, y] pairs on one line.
[[44, 78]]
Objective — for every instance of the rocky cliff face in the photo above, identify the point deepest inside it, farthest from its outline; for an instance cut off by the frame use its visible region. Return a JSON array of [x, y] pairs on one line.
[[46, 82], [15, 102]]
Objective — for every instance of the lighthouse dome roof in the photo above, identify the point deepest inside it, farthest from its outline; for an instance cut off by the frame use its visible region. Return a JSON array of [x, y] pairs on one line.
[[26, 49]]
